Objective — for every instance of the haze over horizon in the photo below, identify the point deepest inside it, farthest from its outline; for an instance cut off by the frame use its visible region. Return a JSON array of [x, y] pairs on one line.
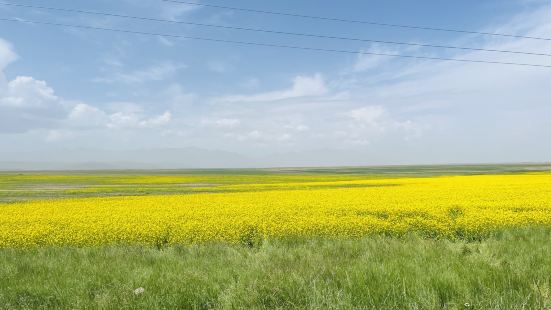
[[71, 97]]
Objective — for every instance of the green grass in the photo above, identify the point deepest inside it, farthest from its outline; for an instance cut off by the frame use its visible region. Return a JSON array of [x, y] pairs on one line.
[[510, 270]]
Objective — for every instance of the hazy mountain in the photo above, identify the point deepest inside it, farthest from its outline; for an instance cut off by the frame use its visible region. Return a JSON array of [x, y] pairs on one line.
[[123, 159]]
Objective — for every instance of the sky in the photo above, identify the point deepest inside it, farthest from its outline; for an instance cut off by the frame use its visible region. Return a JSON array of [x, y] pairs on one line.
[[70, 95]]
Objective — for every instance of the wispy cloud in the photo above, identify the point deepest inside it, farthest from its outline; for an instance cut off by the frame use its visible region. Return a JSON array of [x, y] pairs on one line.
[[157, 72], [303, 86], [366, 62], [173, 11]]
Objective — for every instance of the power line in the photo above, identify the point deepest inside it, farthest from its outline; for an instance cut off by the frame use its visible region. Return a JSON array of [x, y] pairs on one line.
[[271, 31], [272, 45], [356, 21]]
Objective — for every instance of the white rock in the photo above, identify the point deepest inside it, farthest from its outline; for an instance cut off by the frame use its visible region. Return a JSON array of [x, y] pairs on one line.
[[139, 291]]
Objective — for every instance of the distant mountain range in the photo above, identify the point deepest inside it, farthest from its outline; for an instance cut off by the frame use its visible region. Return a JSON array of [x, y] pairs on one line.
[[86, 159], [187, 158]]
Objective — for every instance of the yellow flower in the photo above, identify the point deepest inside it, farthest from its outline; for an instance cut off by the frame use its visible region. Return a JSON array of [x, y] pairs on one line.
[[456, 206]]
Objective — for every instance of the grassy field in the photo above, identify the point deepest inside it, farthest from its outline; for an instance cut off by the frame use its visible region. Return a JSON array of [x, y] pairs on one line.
[[453, 237], [510, 270]]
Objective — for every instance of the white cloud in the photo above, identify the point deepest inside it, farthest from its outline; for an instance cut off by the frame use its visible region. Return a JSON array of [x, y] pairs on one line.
[[25, 103], [29, 104], [157, 121], [221, 122], [367, 114], [7, 54], [303, 86], [26, 92], [372, 122], [23, 91], [83, 115], [121, 120], [157, 72]]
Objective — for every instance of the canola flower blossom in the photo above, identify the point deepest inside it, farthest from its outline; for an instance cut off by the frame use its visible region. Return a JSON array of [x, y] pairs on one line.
[[448, 207]]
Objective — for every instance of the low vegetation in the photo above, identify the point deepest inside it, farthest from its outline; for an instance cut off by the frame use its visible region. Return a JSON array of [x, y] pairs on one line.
[[468, 237], [508, 270]]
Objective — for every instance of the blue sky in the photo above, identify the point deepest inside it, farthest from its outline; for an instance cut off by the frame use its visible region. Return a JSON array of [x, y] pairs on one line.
[[65, 89]]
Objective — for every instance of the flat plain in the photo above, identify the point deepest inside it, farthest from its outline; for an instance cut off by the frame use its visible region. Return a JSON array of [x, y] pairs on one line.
[[451, 236]]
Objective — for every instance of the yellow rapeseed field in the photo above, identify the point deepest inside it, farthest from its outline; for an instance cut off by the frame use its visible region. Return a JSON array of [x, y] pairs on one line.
[[451, 207]]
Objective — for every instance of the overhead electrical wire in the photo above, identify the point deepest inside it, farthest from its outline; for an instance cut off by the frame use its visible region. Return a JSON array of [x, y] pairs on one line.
[[353, 21], [271, 31], [273, 45]]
